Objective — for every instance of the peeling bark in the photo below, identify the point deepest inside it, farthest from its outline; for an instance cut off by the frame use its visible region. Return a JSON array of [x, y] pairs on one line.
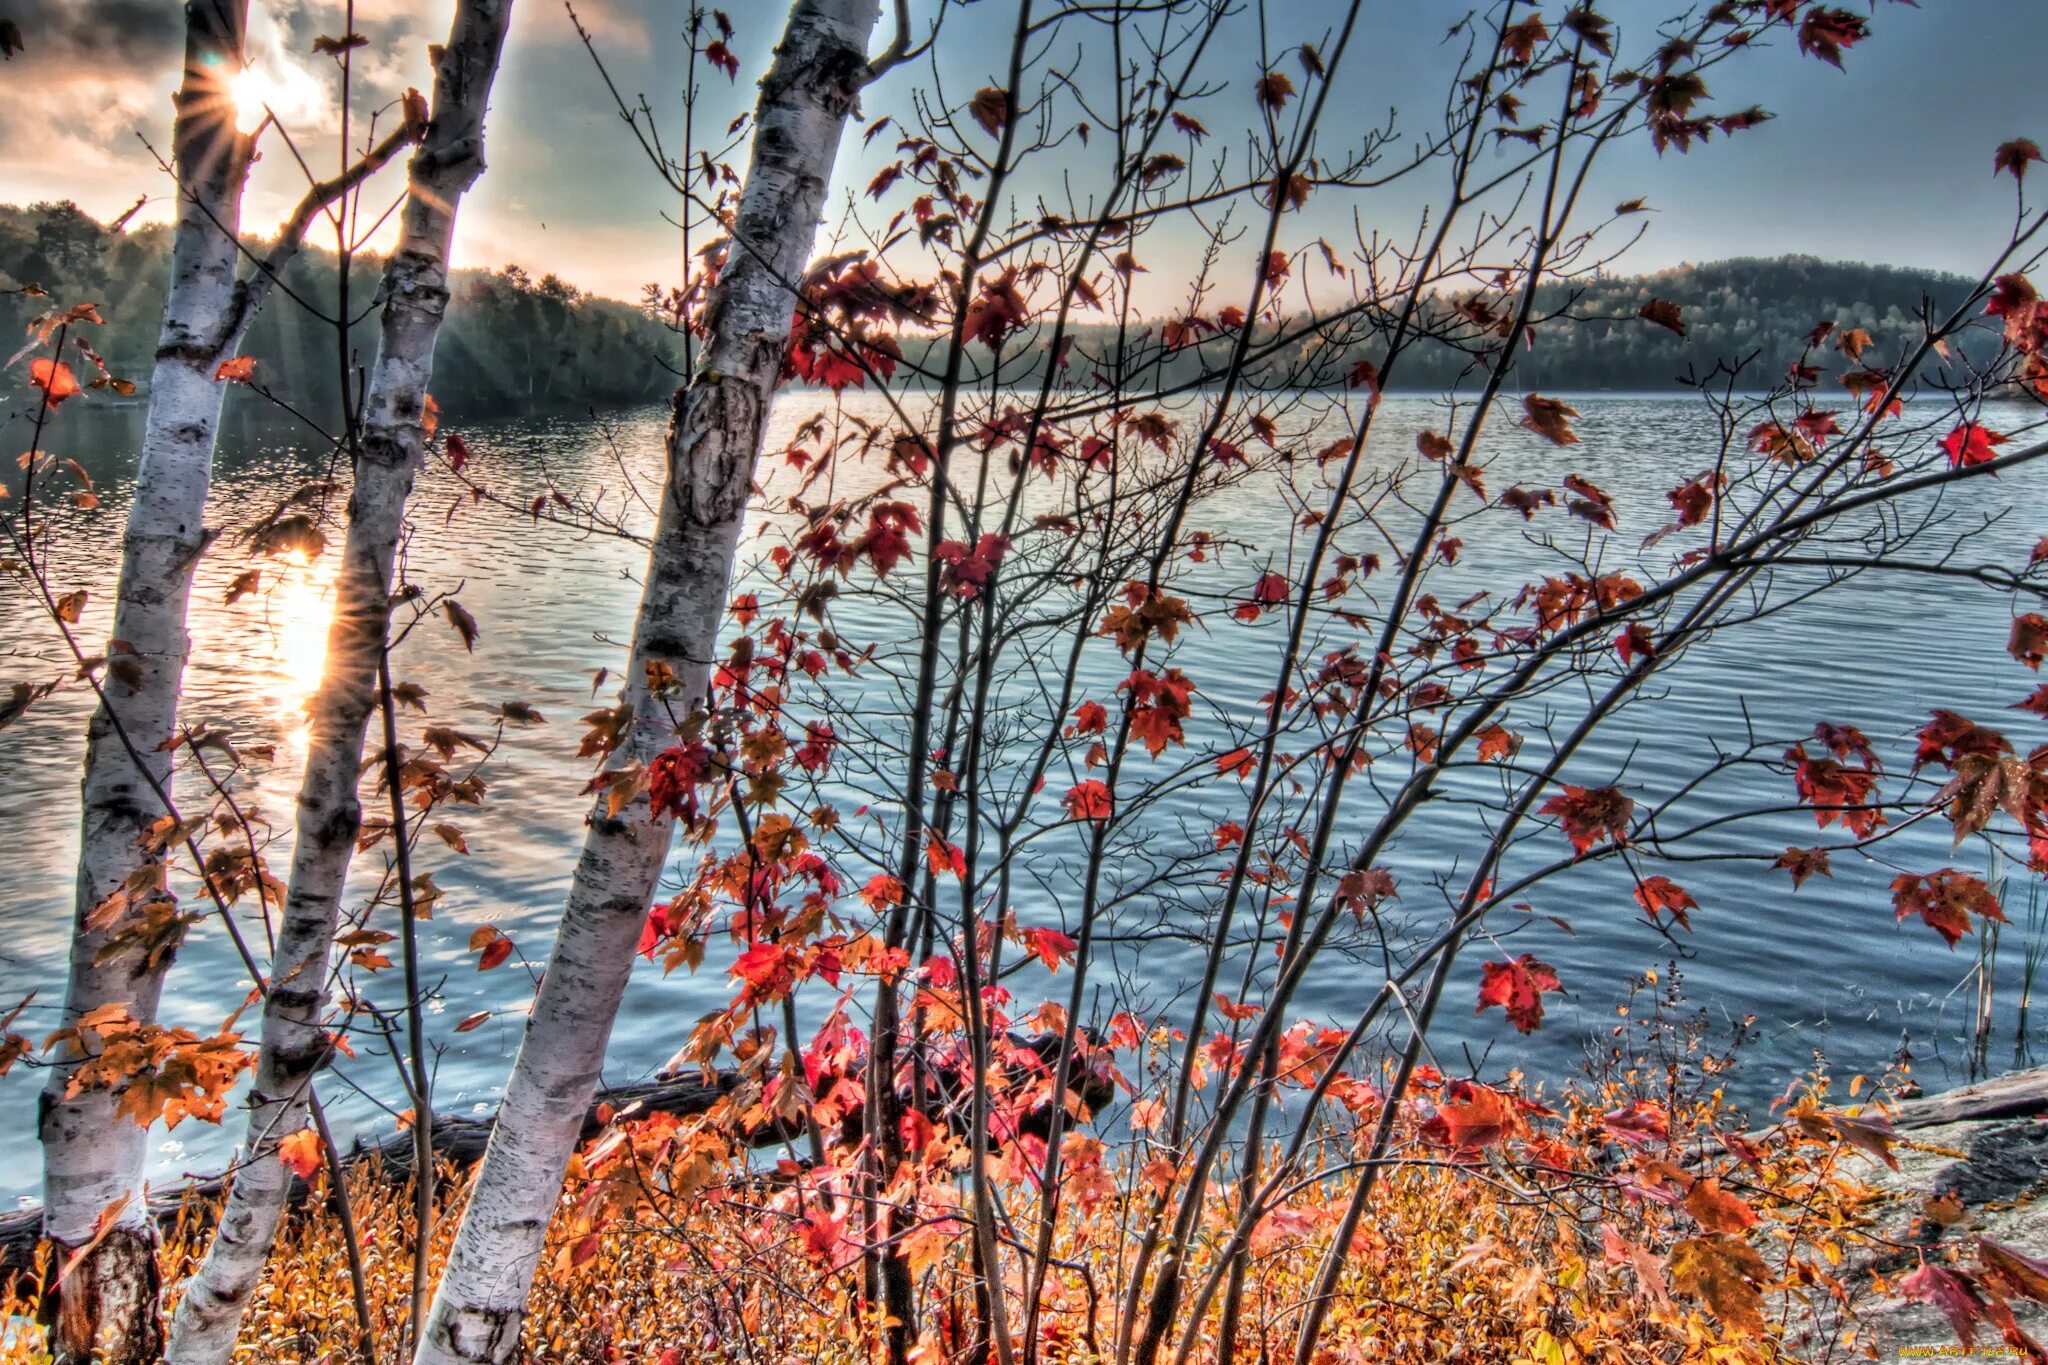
[[714, 440], [388, 454], [107, 1307]]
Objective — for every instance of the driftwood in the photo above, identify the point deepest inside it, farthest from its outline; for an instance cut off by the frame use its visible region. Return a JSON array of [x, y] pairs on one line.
[[457, 1140], [2018, 1094]]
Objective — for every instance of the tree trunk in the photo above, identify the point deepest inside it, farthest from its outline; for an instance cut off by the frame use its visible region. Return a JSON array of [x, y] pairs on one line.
[[387, 458], [106, 1308], [714, 440]]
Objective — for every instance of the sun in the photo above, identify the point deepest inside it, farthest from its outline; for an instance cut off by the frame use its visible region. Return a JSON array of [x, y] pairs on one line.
[[273, 86], [250, 91]]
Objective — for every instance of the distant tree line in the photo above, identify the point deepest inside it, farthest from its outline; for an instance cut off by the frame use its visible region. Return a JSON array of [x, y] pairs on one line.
[[1755, 310], [511, 342]]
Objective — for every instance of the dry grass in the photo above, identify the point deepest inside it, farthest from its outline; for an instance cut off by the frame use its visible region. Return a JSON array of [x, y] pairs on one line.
[[1558, 1244]]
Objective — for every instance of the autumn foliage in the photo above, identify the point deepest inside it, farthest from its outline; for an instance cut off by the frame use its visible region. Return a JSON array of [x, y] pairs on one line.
[[1046, 671], [1628, 1216]]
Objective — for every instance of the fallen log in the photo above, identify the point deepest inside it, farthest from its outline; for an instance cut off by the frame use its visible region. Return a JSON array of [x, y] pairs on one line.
[[457, 1140], [2018, 1094]]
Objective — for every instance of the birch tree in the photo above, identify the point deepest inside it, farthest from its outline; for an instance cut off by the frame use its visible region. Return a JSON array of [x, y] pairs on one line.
[[93, 1159], [386, 455], [714, 440], [127, 928]]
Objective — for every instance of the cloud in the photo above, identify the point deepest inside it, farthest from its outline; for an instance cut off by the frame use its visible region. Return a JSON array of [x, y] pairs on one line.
[[96, 73], [91, 74], [125, 33]]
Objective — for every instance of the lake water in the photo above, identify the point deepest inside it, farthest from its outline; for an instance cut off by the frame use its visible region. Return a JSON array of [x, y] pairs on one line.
[[1822, 970]]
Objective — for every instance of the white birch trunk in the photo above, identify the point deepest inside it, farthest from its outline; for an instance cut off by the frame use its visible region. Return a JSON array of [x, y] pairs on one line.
[[107, 1308], [713, 442], [295, 1045]]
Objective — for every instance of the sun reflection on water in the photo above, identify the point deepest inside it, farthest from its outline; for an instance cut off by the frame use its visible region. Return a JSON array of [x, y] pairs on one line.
[[301, 605]]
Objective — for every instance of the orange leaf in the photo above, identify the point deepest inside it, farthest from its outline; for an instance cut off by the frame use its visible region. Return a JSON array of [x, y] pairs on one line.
[[1727, 1274], [1088, 800], [1716, 1210], [54, 378], [1473, 1116], [1550, 418], [301, 1152], [1661, 895]]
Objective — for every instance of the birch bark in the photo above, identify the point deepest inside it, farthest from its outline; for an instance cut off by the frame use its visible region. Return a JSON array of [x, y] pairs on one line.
[[714, 440], [106, 1308], [295, 1045]]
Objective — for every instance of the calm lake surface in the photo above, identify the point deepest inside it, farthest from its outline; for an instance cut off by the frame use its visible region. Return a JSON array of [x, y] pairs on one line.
[[1824, 970]]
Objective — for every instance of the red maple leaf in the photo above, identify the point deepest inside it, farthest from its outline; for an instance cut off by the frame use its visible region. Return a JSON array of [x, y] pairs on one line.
[[1836, 791], [1803, 863], [1945, 899], [1526, 501], [1636, 640], [2018, 303], [2029, 643], [882, 891], [1827, 31], [1640, 1123], [1590, 814], [991, 108], [1049, 946], [300, 1151], [1664, 313], [1088, 800], [1090, 718], [815, 753], [495, 948], [1661, 895], [1274, 89], [1970, 445], [1955, 1293], [672, 779], [2014, 155], [967, 571], [1517, 986], [996, 311]]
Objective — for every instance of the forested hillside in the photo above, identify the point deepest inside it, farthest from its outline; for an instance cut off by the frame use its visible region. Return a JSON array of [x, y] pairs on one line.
[[1731, 310], [1753, 310], [514, 342], [510, 342]]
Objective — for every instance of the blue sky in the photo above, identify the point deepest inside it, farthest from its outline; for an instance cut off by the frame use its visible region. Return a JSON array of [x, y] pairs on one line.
[[1890, 161]]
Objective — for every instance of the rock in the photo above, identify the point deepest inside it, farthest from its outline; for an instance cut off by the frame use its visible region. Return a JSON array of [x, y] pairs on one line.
[[1983, 1152]]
